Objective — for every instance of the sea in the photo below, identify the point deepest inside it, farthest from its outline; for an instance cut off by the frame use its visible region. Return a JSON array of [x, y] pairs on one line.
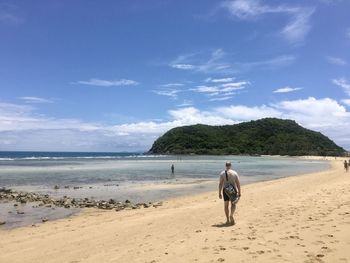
[[133, 176]]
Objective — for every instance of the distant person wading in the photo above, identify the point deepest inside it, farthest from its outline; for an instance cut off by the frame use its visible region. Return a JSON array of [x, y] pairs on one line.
[[230, 188]]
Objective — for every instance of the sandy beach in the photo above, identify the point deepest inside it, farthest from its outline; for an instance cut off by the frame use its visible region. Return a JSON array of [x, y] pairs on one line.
[[302, 218]]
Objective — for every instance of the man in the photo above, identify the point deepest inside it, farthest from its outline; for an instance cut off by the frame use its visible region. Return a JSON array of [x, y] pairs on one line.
[[232, 178], [346, 166]]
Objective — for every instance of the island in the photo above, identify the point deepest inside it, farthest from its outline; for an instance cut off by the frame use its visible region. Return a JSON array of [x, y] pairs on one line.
[[268, 136]]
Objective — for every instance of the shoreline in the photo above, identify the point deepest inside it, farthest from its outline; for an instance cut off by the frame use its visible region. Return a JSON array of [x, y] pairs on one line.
[[65, 201], [304, 218]]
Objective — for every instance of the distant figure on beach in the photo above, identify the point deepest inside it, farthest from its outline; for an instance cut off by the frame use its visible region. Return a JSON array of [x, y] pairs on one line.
[[229, 178], [172, 169], [346, 166]]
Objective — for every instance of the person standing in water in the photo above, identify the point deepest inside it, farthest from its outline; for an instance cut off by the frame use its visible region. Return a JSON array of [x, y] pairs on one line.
[[346, 166], [229, 176], [172, 169]]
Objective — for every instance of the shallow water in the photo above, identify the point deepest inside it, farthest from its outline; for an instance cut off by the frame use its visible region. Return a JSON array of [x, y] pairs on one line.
[[136, 177]]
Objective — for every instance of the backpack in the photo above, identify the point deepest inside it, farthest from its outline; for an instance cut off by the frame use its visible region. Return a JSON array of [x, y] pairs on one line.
[[229, 189]]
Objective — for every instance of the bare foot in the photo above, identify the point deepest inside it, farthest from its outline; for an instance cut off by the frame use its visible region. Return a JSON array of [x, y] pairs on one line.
[[232, 221]]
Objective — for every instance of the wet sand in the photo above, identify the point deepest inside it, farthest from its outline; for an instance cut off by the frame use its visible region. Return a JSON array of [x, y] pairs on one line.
[[296, 219]]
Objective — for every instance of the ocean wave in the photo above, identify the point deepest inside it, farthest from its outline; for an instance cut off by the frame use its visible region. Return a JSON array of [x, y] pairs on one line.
[[7, 159], [38, 158]]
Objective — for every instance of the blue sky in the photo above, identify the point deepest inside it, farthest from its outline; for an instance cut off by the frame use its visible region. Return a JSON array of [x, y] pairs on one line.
[[115, 75]]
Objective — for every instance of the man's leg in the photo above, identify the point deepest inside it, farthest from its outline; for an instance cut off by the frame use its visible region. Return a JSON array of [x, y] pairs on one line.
[[226, 203], [233, 209]]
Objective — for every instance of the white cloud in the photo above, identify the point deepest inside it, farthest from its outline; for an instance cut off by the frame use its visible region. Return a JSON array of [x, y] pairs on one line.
[[222, 91], [336, 61], [204, 63], [167, 92], [299, 17], [221, 98], [342, 82], [346, 102], [286, 89], [221, 80], [107, 83], [206, 89], [314, 112], [297, 29], [239, 84], [35, 100], [183, 66], [185, 103], [170, 85], [22, 129], [216, 62]]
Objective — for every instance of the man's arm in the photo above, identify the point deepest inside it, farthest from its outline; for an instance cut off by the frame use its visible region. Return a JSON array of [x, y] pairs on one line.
[[221, 182], [238, 185]]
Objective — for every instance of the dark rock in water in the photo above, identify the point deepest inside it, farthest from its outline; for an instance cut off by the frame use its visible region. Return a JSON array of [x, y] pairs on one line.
[[2, 223], [56, 187], [7, 195], [76, 187], [44, 219], [157, 204], [6, 191], [66, 186]]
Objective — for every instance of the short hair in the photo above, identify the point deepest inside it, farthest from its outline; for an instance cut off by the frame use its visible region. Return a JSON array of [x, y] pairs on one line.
[[228, 164]]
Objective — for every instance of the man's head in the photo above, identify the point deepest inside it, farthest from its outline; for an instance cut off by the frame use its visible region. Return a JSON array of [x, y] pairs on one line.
[[228, 165]]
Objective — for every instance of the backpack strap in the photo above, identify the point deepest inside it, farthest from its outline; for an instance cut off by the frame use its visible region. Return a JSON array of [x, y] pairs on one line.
[[226, 176]]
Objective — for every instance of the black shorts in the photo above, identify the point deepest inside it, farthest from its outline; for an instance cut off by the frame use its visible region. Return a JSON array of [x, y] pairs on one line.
[[226, 197]]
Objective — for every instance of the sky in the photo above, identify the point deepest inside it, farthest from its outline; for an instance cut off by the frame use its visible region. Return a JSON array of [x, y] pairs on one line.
[[115, 75]]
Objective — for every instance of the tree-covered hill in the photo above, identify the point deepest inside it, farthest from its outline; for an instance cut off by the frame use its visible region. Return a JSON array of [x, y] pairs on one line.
[[266, 136]]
